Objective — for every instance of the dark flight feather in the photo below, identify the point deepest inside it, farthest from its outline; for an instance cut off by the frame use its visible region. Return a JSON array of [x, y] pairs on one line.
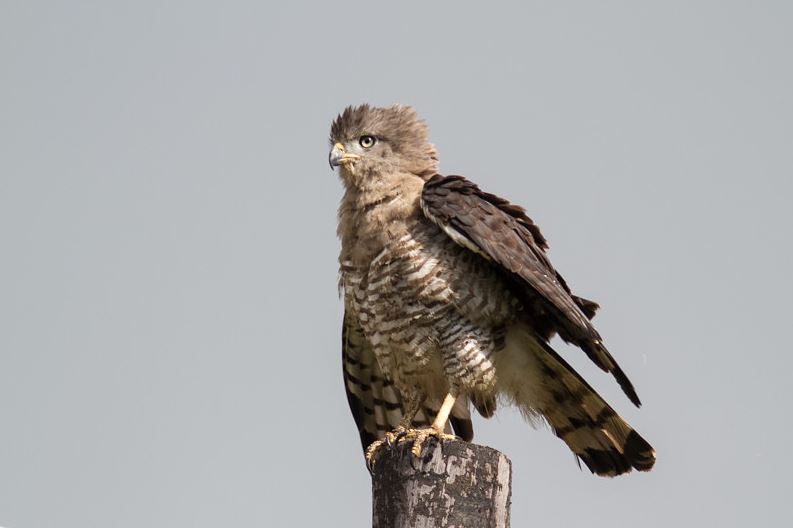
[[502, 233]]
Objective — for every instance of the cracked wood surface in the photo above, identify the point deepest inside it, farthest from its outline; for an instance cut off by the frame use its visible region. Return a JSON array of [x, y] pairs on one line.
[[456, 484]]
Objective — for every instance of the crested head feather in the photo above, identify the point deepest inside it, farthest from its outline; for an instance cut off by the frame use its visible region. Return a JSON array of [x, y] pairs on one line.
[[396, 126]]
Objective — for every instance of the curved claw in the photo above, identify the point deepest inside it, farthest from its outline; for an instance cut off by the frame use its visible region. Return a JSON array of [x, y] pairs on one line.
[[403, 434], [370, 452], [420, 436], [391, 438]]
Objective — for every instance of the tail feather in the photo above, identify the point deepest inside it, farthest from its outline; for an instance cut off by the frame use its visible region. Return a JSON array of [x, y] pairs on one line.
[[376, 403], [460, 419], [544, 385]]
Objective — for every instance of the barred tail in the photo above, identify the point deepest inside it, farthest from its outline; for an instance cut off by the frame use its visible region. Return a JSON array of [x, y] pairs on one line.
[[376, 403], [544, 385]]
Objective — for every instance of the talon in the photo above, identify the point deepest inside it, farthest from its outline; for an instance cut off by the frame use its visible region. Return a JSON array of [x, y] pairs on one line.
[[370, 452], [390, 437], [418, 443], [403, 434], [399, 433], [420, 436]]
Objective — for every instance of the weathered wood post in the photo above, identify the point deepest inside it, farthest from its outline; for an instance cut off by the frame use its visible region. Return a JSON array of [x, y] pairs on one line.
[[455, 484]]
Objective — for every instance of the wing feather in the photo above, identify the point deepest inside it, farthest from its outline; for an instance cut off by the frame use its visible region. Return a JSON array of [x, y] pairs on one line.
[[502, 233]]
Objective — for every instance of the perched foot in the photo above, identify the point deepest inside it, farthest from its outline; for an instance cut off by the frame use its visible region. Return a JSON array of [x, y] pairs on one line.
[[391, 438], [419, 436], [403, 434]]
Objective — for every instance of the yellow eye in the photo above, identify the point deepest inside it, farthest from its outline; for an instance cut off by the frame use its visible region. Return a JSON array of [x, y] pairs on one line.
[[367, 141]]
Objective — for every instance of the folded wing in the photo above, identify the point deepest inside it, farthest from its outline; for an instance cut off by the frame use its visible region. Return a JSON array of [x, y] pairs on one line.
[[502, 233]]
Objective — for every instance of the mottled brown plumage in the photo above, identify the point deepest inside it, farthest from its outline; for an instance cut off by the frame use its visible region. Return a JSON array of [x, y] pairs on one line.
[[448, 290]]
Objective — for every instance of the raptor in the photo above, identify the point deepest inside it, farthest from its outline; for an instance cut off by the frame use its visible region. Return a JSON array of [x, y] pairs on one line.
[[451, 301]]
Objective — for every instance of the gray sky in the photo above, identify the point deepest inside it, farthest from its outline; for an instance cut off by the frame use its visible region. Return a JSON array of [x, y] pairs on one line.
[[169, 320]]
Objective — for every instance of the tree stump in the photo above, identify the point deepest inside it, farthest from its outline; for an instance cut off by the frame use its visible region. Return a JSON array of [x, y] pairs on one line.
[[454, 484]]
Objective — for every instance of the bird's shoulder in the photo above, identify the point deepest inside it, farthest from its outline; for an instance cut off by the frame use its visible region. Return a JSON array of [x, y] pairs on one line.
[[454, 199]]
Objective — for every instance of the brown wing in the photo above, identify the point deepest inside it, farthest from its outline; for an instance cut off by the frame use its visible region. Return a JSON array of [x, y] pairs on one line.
[[375, 402], [502, 233]]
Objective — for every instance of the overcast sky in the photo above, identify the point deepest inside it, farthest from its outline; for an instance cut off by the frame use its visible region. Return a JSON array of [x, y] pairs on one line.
[[169, 317]]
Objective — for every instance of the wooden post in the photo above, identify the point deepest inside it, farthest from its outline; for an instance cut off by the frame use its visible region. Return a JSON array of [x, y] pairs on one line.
[[456, 484]]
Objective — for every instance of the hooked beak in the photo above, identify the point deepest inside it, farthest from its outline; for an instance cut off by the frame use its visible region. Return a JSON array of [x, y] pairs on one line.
[[338, 156]]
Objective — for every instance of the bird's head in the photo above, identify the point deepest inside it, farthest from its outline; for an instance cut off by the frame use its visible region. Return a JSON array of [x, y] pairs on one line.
[[369, 142]]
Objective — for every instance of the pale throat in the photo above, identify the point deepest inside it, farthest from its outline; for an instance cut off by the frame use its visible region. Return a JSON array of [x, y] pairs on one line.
[[372, 218]]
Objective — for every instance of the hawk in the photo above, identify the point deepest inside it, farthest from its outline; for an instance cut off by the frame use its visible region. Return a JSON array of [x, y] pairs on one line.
[[450, 302]]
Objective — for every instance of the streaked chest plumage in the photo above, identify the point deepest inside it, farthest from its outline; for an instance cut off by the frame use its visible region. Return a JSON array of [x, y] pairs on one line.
[[422, 300]]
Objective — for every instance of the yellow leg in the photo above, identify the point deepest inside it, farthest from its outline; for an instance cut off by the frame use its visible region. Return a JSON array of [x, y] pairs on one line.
[[418, 436], [437, 429], [443, 413]]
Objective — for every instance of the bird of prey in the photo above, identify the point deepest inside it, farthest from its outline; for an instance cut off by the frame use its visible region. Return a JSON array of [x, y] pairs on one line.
[[450, 302]]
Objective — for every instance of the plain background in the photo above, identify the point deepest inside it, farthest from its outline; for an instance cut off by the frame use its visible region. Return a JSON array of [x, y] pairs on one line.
[[169, 318]]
